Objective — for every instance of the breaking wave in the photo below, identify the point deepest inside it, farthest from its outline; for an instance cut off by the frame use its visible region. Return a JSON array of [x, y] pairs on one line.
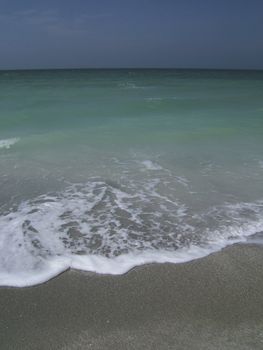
[[7, 143], [102, 227]]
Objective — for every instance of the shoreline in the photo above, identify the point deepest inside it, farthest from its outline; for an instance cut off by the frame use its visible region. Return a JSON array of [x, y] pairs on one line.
[[215, 302]]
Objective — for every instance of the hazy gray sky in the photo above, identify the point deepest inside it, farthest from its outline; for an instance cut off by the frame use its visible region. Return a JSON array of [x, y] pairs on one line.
[[131, 33]]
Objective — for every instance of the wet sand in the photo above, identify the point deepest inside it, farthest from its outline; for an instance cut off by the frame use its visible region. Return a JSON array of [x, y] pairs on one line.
[[211, 303]]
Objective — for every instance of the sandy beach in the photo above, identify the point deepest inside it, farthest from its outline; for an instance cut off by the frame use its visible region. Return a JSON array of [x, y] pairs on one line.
[[211, 303], [131, 175]]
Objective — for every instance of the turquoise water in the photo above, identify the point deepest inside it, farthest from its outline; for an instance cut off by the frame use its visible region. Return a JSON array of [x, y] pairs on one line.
[[103, 170]]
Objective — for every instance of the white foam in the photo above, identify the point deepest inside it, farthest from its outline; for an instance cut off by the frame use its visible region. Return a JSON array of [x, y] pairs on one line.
[[130, 85], [151, 165], [7, 143], [54, 266], [123, 263], [46, 271], [100, 227]]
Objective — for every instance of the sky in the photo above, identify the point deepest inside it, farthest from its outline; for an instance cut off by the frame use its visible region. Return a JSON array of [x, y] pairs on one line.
[[223, 34]]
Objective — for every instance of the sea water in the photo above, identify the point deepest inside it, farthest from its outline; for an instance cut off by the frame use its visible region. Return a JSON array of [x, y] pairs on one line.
[[103, 170]]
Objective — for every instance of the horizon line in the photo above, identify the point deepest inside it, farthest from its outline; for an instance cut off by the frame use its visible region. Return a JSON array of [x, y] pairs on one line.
[[129, 68]]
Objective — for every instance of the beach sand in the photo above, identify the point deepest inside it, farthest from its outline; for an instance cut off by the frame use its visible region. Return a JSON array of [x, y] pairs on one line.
[[211, 303]]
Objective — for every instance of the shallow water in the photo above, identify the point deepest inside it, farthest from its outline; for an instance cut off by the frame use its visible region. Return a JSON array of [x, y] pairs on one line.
[[106, 169]]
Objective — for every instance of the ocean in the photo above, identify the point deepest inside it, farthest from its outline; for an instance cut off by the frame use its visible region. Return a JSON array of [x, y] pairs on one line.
[[104, 170]]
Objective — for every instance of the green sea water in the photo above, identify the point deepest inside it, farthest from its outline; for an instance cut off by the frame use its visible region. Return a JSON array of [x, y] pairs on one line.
[[106, 169]]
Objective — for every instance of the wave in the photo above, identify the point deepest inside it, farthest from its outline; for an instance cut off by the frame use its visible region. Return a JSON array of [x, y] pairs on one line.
[[160, 99], [130, 85], [100, 226], [7, 143], [150, 165]]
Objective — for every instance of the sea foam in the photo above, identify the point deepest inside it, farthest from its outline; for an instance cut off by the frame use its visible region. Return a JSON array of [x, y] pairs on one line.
[[7, 143], [150, 165], [100, 227]]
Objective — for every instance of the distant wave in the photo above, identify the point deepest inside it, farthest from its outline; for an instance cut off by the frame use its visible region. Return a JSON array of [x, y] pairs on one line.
[[130, 85], [160, 99], [7, 143], [149, 165]]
